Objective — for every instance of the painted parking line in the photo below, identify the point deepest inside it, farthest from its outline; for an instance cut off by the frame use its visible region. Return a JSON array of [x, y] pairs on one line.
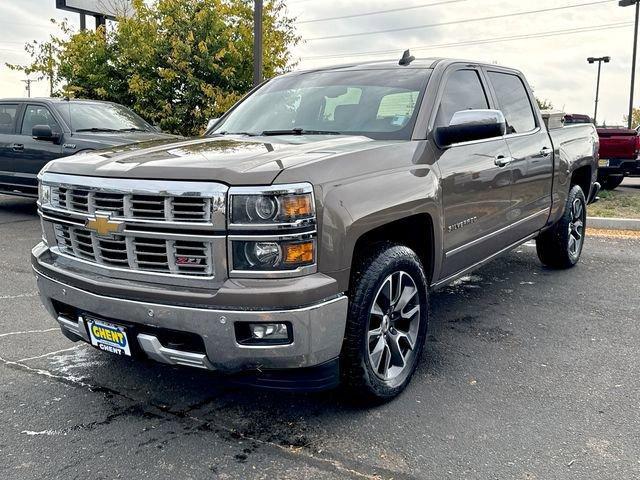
[[75, 347], [26, 332], [21, 295]]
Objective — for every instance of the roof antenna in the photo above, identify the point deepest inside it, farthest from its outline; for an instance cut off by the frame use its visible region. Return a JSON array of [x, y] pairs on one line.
[[406, 59]]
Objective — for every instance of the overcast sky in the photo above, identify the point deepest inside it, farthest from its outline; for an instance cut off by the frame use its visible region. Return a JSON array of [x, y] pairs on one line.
[[555, 65]]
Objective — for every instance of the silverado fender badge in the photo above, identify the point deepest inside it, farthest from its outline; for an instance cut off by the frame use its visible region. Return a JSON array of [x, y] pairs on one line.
[[464, 223], [102, 224]]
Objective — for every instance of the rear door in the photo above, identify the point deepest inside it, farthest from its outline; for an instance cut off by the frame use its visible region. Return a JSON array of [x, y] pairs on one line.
[[9, 144], [476, 193], [530, 150]]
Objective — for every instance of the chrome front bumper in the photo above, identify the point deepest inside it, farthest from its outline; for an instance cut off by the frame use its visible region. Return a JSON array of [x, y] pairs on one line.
[[318, 329]]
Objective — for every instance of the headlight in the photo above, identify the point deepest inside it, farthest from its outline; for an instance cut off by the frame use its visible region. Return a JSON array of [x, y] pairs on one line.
[[44, 194], [273, 255], [277, 206], [260, 222]]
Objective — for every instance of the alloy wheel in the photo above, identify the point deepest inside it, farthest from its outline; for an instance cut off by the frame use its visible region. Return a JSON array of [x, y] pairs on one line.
[[576, 228], [394, 323]]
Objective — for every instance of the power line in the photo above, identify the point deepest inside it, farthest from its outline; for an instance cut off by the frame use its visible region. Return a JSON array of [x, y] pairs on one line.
[[483, 41], [379, 12], [455, 22]]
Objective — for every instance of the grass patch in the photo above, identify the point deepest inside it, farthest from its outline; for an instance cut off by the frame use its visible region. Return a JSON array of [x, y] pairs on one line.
[[616, 204]]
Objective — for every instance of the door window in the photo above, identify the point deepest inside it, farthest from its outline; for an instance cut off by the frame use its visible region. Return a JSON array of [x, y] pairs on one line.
[[514, 102], [8, 117], [38, 115], [463, 91]]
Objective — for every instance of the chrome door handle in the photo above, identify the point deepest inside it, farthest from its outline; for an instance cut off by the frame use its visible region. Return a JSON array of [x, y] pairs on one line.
[[545, 152], [17, 147], [502, 161]]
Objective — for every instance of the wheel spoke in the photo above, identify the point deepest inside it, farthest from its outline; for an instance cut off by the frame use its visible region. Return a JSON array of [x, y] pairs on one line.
[[396, 351], [411, 313], [376, 309], [387, 361], [376, 353], [572, 244], [375, 333], [408, 293]]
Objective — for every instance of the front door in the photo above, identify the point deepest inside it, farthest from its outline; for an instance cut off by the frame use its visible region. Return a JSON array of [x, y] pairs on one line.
[[37, 153], [476, 185]]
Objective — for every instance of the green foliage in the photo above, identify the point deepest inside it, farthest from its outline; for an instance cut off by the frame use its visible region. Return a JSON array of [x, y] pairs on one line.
[[177, 63], [544, 104], [635, 118]]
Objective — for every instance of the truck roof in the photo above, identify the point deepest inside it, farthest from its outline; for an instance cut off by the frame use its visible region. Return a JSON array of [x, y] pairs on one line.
[[422, 63], [51, 100]]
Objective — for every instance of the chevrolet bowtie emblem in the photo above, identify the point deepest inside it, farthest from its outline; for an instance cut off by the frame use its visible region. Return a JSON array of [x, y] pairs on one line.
[[102, 224]]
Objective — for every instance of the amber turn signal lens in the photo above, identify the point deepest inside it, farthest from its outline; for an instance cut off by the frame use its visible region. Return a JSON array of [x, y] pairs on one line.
[[298, 253], [295, 206]]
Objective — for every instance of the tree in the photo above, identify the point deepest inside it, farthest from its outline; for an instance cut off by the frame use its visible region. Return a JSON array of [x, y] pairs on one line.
[[635, 118], [175, 62], [544, 104]]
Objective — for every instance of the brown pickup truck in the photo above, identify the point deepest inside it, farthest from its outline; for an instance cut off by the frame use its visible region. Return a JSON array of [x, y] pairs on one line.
[[296, 243]]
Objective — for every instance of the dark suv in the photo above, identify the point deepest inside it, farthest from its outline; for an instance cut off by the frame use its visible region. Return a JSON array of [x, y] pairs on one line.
[[34, 131]]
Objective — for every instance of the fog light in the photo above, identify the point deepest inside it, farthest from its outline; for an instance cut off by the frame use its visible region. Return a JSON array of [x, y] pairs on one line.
[[269, 331], [263, 333]]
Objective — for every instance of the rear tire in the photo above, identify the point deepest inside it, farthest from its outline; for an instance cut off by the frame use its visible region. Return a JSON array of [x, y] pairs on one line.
[[386, 323], [561, 245], [611, 182]]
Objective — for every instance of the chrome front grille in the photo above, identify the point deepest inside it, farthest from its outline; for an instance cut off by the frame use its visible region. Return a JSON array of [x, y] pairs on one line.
[[138, 253], [183, 208], [169, 232]]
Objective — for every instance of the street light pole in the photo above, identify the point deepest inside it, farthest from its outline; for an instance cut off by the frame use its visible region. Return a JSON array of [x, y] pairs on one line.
[[599, 60], [257, 42], [628, 3]]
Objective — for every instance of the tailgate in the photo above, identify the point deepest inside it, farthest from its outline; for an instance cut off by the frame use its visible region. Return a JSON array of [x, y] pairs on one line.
[[618, 143]]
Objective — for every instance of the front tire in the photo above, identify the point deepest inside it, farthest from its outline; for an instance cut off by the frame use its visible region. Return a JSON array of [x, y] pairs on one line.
[[386, 324], [561, 245]]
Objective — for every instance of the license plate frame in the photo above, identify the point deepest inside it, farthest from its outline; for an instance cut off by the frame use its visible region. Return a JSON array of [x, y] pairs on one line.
[[108, 337]]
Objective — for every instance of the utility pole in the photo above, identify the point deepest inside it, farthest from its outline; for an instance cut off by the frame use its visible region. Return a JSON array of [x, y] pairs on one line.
[[628, 3], [50, 68], [257, 42], [28, 83], [599, 60]]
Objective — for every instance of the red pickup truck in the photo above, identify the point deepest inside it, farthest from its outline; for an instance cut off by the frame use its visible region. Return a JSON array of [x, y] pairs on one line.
[[619, 152]]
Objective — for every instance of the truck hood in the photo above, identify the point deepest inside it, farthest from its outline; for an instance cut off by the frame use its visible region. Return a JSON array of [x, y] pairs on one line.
[[107, 139], [236, 160]]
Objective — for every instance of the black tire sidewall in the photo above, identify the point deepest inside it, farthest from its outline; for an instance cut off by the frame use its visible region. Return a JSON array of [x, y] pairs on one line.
[[385, 260]]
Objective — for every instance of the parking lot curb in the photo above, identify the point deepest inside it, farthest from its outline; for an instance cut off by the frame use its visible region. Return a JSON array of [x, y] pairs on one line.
[[614, 223]]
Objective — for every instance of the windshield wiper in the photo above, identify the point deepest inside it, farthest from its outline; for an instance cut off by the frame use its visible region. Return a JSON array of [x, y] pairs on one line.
[[224, 132], [299, 131], [133, 129], [96, 129]]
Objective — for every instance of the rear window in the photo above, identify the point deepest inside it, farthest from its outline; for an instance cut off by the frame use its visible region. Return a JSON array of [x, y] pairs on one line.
[[514, 102], [8, 117]]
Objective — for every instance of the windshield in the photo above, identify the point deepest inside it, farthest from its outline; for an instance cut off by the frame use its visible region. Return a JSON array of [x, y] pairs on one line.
[[85, 117], [380, 104]]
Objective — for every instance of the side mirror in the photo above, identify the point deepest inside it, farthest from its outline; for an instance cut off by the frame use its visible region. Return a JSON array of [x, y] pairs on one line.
[[470, 125], [212, 122], [43, 132]]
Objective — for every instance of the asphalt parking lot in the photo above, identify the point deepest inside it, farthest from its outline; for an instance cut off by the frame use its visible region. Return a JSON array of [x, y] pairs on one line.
[[528, 374]]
